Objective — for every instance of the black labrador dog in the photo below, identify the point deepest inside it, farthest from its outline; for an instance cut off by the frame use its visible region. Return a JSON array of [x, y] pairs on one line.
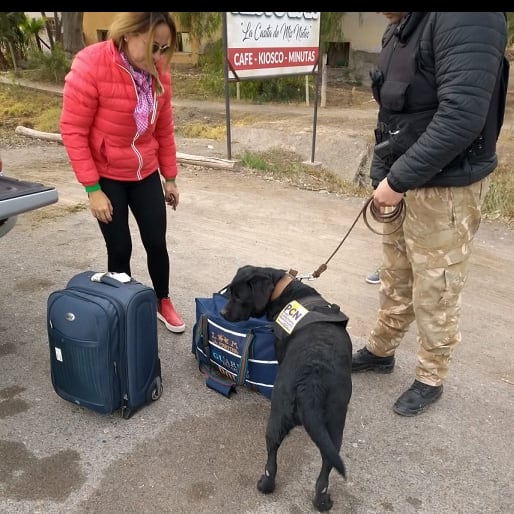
[[313, 384]]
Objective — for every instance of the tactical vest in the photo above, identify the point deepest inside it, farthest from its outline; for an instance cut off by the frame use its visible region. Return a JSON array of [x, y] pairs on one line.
[[297, 314], [407, 92]]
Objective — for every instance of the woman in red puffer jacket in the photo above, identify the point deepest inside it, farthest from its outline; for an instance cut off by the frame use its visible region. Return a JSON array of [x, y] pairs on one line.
[[117, 128]]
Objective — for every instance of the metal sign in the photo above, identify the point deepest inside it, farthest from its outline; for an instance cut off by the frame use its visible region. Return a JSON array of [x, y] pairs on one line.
[[268, 44]]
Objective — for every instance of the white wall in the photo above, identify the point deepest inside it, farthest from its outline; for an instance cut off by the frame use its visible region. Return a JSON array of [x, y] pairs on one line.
[[364, 30]]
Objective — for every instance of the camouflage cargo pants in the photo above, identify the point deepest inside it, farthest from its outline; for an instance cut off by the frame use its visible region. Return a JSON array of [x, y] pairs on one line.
[[424, 269]]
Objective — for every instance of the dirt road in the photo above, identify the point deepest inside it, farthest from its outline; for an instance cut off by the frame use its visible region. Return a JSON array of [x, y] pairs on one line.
[[194, 451]]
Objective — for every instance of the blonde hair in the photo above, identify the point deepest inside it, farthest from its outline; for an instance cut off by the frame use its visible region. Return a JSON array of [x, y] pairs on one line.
[[126, 23]]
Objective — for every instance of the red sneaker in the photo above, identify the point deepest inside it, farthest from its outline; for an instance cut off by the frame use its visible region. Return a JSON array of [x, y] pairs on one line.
[[167, 314]]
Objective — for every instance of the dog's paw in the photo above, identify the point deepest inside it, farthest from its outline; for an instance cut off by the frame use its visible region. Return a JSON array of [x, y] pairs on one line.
[[323, 502], [266, 485]]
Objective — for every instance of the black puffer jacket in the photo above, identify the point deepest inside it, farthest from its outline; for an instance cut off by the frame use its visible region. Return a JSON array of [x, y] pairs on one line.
[[440, 95]]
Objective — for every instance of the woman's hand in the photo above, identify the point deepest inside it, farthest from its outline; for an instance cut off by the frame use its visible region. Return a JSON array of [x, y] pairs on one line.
[[171, 194], [100, 206]]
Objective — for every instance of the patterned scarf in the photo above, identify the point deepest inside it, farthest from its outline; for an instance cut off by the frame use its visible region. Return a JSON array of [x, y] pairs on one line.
[[144, 106]]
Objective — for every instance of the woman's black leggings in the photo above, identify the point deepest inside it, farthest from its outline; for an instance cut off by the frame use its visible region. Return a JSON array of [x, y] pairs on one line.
[[145, 198]]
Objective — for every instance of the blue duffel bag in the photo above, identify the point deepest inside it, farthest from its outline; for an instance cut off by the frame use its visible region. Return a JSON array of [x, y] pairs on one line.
[[231, 354]]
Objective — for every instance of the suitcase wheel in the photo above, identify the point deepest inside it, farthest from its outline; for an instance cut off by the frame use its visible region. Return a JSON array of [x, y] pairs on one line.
[[126, 412], [157, 390], [153, 395]]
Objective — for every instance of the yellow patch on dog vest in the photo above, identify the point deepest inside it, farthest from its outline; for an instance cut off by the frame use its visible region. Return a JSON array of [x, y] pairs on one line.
[[291, 315]]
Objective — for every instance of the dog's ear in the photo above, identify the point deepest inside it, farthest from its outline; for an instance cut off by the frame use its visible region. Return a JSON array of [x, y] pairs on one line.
[[259, 282], [245, 273], [248, 272], [261, 285]]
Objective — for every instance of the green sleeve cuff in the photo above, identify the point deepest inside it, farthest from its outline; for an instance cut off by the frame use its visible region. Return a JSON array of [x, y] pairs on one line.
[[94, 187], [170, 180]]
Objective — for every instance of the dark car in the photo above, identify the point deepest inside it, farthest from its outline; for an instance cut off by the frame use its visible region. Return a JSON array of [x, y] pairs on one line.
[[19, 196]]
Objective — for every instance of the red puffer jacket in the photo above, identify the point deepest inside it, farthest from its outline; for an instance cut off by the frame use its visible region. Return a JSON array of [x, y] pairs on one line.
[[97, 121]]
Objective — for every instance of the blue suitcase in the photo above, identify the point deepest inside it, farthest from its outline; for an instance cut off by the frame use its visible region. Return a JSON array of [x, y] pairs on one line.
[[103, 343]]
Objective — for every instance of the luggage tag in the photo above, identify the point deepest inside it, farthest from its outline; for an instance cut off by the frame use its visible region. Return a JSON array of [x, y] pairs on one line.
[[120, 277]]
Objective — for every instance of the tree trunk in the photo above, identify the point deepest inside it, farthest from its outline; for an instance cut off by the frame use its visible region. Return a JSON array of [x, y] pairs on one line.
[[4, 63], [58, 27], [48, 30], [13, 56], [72, 35]]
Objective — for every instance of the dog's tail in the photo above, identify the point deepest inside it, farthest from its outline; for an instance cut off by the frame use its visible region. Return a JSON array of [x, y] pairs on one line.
[[315, 427]]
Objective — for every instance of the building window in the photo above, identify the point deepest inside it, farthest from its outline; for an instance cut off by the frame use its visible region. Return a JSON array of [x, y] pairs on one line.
[[338, 54], [183, 42], [101, 35]]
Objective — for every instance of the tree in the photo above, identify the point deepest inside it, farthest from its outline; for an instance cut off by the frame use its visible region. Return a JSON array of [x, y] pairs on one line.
[[49, 31], [330, 28], [201, 25], [72, 34], [31, 28], [12, 39], [58, 27]]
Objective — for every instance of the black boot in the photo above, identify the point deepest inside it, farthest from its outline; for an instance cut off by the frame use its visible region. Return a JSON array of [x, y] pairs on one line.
[[417, 398], [364, 360]]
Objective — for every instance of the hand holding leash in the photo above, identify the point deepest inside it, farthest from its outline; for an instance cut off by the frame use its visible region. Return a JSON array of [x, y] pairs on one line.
[[397, 213]]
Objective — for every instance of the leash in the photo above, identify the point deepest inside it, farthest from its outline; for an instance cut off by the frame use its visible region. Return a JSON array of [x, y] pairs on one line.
[[394, 214]]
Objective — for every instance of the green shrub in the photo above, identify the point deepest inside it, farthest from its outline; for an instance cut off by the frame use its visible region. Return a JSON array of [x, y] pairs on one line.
[[49, 66], [276, 89], [211, 64]]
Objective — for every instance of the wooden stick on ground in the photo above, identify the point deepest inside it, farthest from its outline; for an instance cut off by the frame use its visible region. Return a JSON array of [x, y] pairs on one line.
[[184, 158]]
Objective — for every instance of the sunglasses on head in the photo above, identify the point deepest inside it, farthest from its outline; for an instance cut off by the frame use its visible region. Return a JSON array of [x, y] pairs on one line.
[[158, 48]]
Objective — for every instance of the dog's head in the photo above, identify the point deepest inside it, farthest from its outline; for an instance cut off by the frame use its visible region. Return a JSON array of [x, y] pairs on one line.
[[250, 291]]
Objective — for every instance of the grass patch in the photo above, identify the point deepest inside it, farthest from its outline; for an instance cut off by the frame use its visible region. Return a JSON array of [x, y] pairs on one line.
[[48, 121], [32, 109], [286, 166], [187, 84], [201, 130], [499, 201]]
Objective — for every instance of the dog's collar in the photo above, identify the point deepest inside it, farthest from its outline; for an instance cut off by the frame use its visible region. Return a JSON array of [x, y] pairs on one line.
[[283, 282]]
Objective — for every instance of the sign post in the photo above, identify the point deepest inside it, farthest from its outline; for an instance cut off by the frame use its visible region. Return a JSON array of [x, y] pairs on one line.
[[260, 45]]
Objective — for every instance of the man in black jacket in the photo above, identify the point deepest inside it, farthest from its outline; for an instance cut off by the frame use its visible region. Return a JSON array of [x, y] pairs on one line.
[[440, 85]]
